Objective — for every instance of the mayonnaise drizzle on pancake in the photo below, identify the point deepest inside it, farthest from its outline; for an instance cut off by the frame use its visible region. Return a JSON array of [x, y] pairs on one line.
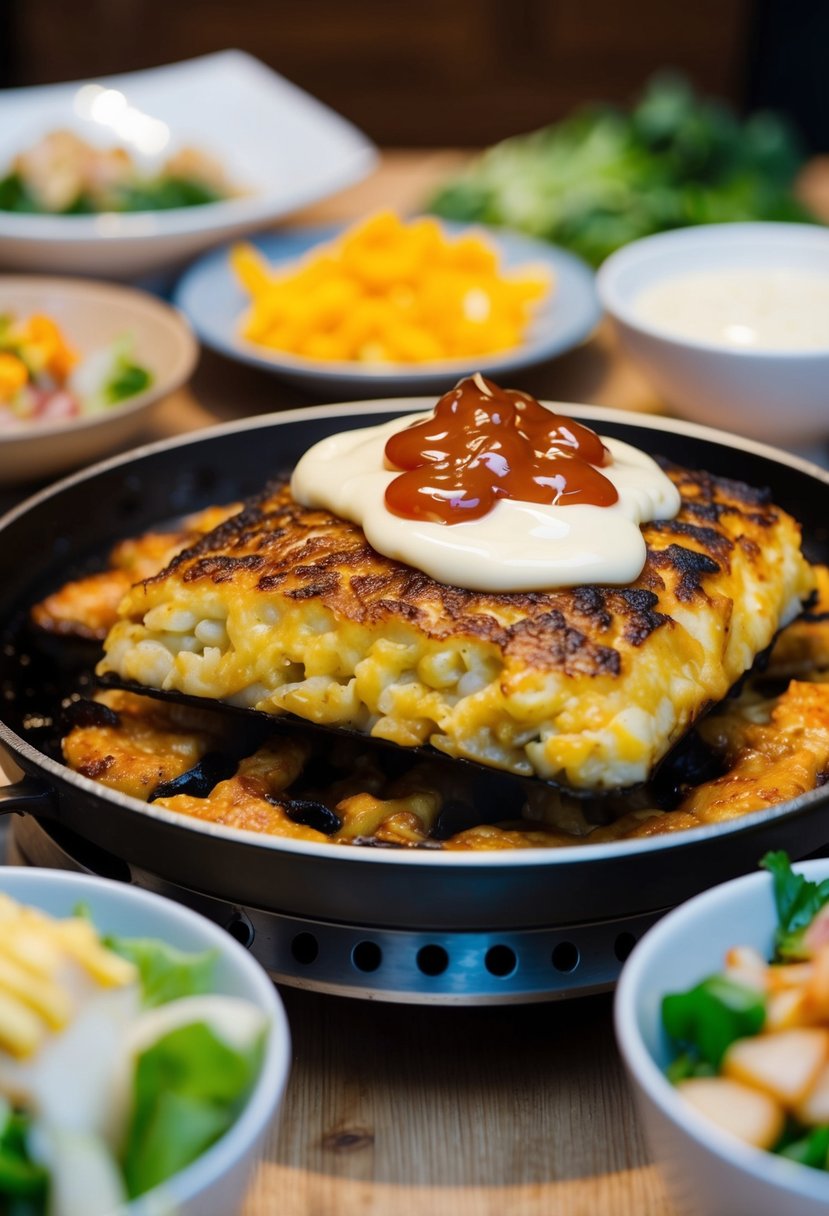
[[517, 546]]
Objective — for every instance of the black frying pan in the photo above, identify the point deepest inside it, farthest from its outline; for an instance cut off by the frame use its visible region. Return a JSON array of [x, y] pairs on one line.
[[67, 529]]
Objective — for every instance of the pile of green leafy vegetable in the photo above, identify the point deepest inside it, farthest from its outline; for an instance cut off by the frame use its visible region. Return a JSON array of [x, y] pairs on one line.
[[163, 193], [603, 177]]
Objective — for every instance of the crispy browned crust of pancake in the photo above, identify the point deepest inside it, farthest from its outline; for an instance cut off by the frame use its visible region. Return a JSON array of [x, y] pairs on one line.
[[87, 608], [312, 555], [288, 609]]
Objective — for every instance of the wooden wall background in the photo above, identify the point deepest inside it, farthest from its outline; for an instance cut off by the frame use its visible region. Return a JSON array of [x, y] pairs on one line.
[[409, 72]]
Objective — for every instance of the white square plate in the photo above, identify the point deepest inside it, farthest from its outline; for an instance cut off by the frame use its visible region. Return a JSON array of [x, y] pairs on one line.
[[278, 145]]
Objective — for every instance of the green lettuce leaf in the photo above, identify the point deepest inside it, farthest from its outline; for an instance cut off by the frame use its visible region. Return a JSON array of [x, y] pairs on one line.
[[688, 1065], [189, 1088], [24, 1184], [128, 381], [165, 972], [811, 1149]]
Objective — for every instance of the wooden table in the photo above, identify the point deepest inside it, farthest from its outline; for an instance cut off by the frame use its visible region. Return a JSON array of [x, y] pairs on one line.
[[395, 1110]]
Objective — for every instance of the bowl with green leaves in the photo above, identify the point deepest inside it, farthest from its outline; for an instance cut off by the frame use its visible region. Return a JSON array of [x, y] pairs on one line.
[[722, 1019], [143, 1053]]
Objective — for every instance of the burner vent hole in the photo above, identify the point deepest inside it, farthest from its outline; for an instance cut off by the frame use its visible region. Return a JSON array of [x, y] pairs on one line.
[[305, 948], [500, 960], [432, 960], [623, 945], [366, 956], [240, 928], [566, 957]]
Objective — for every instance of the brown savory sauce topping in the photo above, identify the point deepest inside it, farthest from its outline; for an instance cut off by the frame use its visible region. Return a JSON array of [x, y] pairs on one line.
[[484, 443]]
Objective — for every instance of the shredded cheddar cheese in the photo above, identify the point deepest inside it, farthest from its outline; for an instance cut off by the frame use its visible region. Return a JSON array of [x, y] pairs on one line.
[[390, 291], [37, 953]]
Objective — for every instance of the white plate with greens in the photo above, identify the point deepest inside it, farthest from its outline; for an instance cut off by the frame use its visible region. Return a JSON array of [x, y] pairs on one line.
[[276, 147]]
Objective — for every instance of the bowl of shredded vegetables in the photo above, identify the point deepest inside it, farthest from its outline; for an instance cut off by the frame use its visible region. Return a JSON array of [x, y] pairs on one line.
[[722, 1018], [81, 366]]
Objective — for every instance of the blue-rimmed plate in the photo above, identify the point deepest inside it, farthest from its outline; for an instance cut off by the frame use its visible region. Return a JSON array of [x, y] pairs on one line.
[[213, 301]]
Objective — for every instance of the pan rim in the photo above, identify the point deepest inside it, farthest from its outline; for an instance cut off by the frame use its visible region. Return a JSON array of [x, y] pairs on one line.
[[611, 851]]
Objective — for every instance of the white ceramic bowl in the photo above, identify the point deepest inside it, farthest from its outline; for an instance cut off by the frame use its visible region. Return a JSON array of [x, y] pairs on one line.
[[215, 1184], [92, 315], [708, 1172], [280, 146], [777, 396]]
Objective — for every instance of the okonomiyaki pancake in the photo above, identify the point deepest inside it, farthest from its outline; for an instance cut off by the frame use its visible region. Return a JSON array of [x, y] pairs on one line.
[[288, 609]]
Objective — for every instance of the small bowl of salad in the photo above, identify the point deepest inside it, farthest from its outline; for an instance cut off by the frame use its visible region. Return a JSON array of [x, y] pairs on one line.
[[722, 1019], [143, 1053], [81, 365]]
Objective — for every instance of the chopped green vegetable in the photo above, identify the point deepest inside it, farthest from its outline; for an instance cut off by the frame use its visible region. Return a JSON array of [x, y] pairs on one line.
[[129, 380], [798, 902], [688, 1065], [189, 1089], [165, 972], [603, 177], [14, 196], [155, 194], [708, 1018], [811, 1149], [23, 1184], [164, 193], [109, 375]]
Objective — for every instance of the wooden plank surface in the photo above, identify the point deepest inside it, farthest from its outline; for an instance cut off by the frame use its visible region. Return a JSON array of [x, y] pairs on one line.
[[465, 72], [518, 1110]]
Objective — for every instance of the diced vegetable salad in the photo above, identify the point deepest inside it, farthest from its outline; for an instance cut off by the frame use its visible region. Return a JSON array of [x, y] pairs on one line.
[[44, 379], [752, 1042], [119, 1064]]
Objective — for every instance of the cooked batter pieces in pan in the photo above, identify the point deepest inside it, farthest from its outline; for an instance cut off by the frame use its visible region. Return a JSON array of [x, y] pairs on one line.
[[288, 609]]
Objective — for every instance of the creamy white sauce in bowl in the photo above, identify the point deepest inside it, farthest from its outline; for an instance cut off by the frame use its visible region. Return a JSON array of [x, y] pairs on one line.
[[766, 378], [741, 307], [517, 546]]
